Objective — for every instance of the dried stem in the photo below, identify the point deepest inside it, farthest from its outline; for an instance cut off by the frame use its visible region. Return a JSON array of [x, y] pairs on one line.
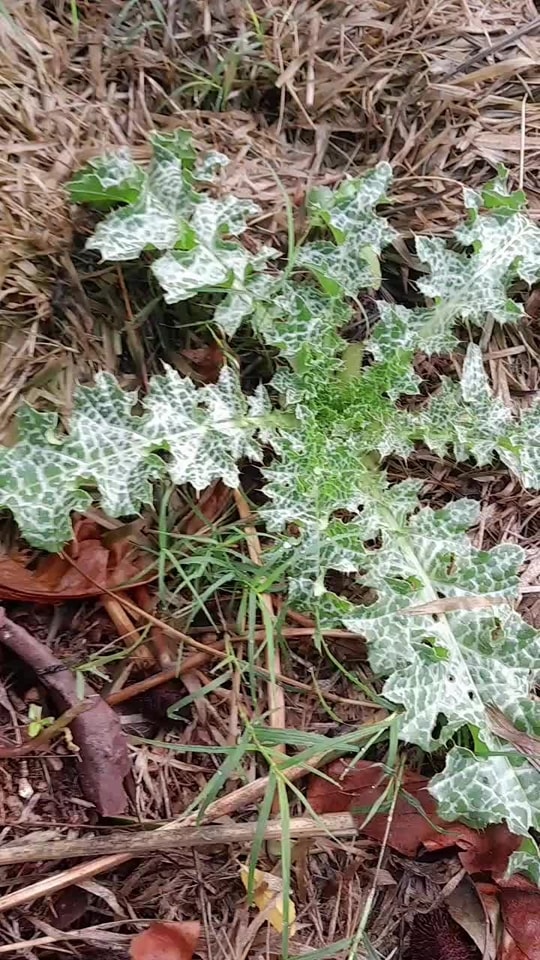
[[148, 842]]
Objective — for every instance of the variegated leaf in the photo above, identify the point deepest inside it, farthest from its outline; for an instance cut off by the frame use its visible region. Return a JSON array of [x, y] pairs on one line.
[[493, 789], [351, 262], [205, 432], [447, 668]]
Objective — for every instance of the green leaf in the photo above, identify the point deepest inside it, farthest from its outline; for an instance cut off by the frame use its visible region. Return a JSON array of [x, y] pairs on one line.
[[497, 197], [205, 432], [106, 181], [465, 415], [208, 169], [350, 206], [468, 418], [210, 261], [153, 219], [176, 145], [526, 860], [288, 316], [489, 651], [332, 545], [519, 447], [149, 223], [400, 328], [39, 481], [488, 790], [471, 285], [351, 262]]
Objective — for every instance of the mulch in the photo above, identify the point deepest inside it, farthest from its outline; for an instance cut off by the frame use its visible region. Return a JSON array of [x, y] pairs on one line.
[[297, 95]]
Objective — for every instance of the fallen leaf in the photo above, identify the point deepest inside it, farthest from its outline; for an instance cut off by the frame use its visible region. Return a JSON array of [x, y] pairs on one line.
[[521, 918], [485, 852], [488, 851], [205, 362], [532, 304], [356, 789], [210, 506], [268, 898], [96, 566], [166, 941], [466, 908]]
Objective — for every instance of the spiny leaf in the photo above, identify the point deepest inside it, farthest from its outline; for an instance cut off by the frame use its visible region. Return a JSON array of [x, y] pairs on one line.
[[318, 548], [467, 417], [496, 196], [472, 284], [351, 262], [452, 666], [166, 213], [350, 206], [526, 860], [208, 261], [300, 314], [484, 790], [153, 218], [345, 269], [107, 180], [399, 328], [44, 477]]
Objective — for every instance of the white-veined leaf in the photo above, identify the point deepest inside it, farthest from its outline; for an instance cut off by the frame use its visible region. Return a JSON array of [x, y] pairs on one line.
[[205, 432]]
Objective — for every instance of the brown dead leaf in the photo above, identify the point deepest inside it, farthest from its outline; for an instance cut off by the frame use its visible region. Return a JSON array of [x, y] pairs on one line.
[[209, 508], [466, 908], [521, 919], [357, 789], [485, 852], [166, 941], [96, 567], [532, 304], [206, 362]]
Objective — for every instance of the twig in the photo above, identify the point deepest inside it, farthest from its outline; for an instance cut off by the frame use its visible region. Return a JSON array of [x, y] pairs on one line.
[[163, 654], [147, 842], [484, 52], [97, 732], [127, 631], [196, 660], [223, 807]]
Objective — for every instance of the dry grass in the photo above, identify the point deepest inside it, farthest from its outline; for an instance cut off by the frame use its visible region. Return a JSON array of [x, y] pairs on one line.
[[305, 89]]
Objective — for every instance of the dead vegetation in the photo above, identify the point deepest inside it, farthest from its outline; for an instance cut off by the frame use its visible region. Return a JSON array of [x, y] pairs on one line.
[[297, 94]]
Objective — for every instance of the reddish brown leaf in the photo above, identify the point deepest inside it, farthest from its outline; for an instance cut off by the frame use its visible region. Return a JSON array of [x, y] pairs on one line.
[[357, 789], [532, 304], [521, 918], [205, 361], [210, 507], [485, 852], [95, 567], [166, 941]]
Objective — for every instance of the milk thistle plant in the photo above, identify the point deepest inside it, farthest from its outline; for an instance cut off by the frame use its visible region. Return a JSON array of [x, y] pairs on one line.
[[442, 630]]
